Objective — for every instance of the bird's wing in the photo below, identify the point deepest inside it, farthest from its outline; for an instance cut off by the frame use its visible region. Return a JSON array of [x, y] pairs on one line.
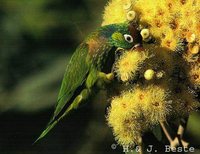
[[75, 75], [78, 70]]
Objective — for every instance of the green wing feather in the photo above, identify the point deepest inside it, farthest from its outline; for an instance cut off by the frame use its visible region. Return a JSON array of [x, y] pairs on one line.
[[75, 75]]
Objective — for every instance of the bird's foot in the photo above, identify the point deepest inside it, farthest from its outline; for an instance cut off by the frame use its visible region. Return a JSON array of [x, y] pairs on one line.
[[110, 76], [107, 78]]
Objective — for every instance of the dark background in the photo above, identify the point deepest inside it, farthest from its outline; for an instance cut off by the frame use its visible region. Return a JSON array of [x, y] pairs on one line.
[[37, 38]]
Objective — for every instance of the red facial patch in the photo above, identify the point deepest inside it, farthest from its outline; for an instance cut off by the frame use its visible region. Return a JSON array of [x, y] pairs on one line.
[[135, 33]]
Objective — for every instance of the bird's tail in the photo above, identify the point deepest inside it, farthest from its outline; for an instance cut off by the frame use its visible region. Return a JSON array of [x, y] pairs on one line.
[[51, 125]]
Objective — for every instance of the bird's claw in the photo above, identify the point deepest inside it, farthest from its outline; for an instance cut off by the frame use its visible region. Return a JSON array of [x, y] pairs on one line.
[[110, 76]]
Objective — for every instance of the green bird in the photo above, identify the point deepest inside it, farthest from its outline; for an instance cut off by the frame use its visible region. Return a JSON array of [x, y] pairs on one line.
[[92, 62]]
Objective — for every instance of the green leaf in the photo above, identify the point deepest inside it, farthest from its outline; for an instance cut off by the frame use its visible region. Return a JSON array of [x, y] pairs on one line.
[[157, 132]]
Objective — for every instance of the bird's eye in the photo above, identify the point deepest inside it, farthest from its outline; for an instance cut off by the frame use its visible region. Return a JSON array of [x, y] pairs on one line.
[[128, 38]]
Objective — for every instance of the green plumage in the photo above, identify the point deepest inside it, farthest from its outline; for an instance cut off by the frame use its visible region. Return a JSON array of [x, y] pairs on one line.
[[71, 80], [87, 62]]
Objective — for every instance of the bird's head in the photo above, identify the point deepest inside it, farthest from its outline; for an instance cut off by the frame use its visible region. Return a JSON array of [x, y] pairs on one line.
[[126, 36]]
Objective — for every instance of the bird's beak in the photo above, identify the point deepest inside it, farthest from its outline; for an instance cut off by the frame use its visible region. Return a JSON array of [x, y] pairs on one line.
[[137, 46]]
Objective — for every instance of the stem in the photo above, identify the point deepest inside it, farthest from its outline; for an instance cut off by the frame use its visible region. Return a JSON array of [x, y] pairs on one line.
[[181, 130], [182, 127], [179, 138], [173, 143], [162, 124]]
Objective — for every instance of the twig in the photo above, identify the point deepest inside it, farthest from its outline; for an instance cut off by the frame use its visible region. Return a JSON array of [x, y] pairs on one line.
[[173, 143], [178, 140], [162, 124], [180, 132]]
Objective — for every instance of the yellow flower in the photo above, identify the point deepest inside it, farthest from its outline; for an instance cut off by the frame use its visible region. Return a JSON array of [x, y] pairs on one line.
[[124, 117], [162, 71], [114, 12], [168, 20], [154, 103], [129, 63], [134, 112]]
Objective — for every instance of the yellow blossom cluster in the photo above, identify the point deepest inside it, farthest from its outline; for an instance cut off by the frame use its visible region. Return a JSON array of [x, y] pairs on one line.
[[124, 117], [162, 80], [157, 95], [136, 111], [129, 64], [168, 20]]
